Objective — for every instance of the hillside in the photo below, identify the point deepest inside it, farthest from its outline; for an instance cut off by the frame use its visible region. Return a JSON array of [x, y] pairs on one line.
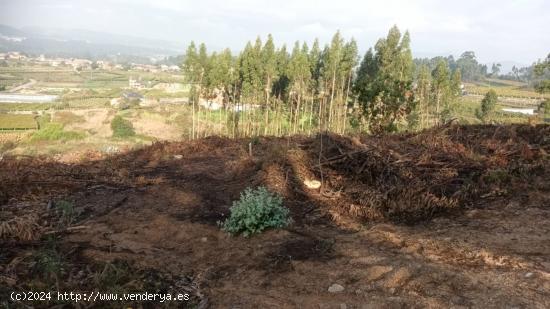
[[81, 43], [430, 219]]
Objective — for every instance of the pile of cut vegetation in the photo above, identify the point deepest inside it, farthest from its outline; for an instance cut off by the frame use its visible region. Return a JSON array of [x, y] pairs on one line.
[[411, 177], [396, 177]]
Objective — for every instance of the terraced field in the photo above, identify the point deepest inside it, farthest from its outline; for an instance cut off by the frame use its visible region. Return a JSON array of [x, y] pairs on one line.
[[17, 122]]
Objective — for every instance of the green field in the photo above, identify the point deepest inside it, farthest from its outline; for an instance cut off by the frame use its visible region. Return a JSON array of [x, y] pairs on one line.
[[465, 111], [504, 88], [62, 77], [17, 122]]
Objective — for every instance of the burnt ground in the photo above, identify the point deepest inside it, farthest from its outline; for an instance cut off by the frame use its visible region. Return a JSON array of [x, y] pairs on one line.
[[455, 217]]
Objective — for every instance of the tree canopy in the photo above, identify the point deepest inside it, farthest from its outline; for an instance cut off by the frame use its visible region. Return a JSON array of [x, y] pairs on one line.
[[384, 82]]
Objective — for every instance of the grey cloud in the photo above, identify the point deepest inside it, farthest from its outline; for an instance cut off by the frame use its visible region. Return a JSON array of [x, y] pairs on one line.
[[496, 30]]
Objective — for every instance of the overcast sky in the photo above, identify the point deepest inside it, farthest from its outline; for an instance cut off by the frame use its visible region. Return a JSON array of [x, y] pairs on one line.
[[497, 30]]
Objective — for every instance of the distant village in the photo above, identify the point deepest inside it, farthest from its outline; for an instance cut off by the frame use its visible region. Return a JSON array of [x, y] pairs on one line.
[[78, 64]]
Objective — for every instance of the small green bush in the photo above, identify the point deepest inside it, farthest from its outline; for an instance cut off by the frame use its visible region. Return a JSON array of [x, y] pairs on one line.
[[43, 120], [66, 211], [256, 210], [497, 176], [487, 105], [48, 262], [54, 132], [546, 106], [122, 127]]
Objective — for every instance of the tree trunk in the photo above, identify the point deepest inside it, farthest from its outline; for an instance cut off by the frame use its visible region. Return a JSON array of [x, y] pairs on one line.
[[322, 107], [297, 112], [331, 98], [267, 93], [437, 106], [193, 117], [199, 106], [346, 105]]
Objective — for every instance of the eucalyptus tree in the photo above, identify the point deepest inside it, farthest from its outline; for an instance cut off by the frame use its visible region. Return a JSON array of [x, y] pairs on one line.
[[469, 67], [423, 93], [314, 59], [347, 66], [441, 89], [541, 69], [333, 58], [299, 74], [456, 83], [220, 78], [281, 85], [193, 74], [384, 82], [269, 62]]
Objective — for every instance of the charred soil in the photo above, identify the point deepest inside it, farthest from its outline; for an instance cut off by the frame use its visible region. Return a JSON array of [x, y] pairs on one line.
[[457, 216]]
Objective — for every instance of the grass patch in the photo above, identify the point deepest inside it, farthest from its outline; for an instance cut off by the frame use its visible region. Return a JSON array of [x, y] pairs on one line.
[[122, 128], [465, 111], [66, 212], [54, 132], [48, 262], [66, 117], [503, 89], [17, 122]]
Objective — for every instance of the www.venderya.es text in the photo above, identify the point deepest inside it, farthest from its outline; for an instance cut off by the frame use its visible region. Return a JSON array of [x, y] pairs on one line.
[[94, 296]]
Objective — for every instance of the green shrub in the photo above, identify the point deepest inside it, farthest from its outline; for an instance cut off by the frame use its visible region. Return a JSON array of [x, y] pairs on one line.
[[497, 176], [546, 107], [122, 127], [487, 105], [256, 210], [43, 120], [54, 132], [48, 262], [66, 211]]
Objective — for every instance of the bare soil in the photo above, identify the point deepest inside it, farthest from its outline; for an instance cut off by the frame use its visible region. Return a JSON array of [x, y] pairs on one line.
[[455, 217]]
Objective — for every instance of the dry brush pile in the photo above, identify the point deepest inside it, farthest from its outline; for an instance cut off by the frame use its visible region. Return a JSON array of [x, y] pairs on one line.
[[411, 177], [400, 177]]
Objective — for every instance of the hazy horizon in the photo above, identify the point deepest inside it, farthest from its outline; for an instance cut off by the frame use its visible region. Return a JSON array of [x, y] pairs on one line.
[[496, 31]]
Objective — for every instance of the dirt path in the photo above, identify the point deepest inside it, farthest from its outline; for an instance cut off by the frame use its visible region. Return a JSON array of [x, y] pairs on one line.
[[30, 83]]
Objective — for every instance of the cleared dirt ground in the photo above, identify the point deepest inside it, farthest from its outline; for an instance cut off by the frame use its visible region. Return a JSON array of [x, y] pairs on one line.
[[457, 217]]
